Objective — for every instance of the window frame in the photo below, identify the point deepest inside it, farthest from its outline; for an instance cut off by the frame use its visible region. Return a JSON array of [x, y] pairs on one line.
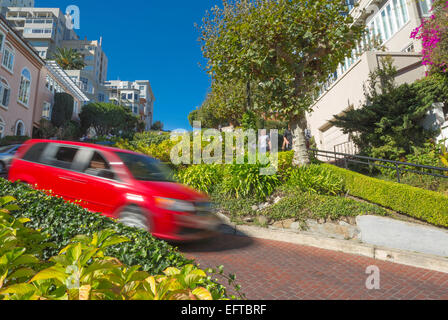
[[24, 94], [2, 41], [18, 122], [8, 52], [46, 103], [4, 85], [2, 127]]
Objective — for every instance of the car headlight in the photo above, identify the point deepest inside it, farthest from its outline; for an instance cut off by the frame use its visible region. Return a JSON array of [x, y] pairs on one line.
[[174, 205]]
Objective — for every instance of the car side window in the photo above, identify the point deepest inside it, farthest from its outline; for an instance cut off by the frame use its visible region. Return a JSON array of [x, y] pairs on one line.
[[98, 166], [34, 154], [64, 157]]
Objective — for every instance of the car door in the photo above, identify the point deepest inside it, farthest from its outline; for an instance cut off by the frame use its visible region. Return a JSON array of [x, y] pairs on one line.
[[62, 159], [102, 190], [31, 169]]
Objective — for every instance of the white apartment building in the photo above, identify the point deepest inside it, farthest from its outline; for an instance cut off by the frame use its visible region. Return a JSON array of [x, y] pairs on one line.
[[390, 21], [136, 95], [16, 3], [44, 28], [91, 79]]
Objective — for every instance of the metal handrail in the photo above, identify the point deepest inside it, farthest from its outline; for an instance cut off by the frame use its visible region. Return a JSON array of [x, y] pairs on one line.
[[397, 165]]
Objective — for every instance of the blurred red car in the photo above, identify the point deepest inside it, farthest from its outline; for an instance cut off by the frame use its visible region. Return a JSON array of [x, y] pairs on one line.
[[124, 185]]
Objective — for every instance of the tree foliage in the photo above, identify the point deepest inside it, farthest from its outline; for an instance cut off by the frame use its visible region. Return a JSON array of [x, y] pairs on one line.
[[157, 126], [108, 118], [433, 32], [389, 125], [281, 50], [62, 111], [69, 59]]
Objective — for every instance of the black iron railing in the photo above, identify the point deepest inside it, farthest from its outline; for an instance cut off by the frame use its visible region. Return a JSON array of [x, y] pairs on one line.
[[344, 159]]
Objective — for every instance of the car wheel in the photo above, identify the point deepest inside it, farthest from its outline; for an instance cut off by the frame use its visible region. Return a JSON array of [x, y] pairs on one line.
[[133, 216]]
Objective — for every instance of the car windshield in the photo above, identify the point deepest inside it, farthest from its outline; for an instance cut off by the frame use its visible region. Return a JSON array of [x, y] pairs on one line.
[[144, 168], [6, 149]]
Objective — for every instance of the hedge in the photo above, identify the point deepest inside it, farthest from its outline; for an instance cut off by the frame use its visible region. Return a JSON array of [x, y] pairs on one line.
[[419, 203], [62, 221]]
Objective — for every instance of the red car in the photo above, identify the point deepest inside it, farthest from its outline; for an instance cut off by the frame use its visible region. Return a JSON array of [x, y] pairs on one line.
[[124, 185]]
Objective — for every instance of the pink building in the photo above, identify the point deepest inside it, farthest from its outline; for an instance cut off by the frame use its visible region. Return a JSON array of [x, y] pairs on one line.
[[20, 73], [28, 85], [54, 79]]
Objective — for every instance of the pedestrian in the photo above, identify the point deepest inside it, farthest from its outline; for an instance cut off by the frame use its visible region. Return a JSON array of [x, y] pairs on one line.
[[287, 139], [264, 142]]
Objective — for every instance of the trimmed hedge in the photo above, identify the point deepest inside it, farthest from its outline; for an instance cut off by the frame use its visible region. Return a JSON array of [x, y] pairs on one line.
[[418, 203], [63, 221]]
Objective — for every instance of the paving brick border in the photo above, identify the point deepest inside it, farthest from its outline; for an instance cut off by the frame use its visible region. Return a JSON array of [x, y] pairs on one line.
[[419, 260]]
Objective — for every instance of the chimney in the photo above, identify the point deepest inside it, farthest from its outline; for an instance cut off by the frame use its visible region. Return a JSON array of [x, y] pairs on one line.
[[101, 41]]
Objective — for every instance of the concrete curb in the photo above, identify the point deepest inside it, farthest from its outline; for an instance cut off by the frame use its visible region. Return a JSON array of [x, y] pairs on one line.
[[418, 260]]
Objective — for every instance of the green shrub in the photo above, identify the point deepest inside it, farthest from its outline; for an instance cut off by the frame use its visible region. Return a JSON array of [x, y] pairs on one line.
[[285, 164], [418, 203], [62, 221], [9, 140], [316, 179], [233, 206], [149, 138], [301, 206], [245, 180], [203, 177], [81, 271]]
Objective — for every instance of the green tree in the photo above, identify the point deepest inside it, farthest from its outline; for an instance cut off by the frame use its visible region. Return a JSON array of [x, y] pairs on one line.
[[389, 124], [285, 47], [108, 118], [69, 59], [62, 111], [224, 105], [157, 126]]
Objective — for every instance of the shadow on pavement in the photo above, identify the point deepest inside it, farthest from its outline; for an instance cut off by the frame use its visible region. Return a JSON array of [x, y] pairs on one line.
[[226, 240]]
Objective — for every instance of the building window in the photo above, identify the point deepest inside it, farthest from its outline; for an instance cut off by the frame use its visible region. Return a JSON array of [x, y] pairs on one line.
[[2, 128], [75, 107], [410, 48], [5, 93], [20, 129], [8, 58], [425, 6], [2, 40], [46, 111], [25, 87]]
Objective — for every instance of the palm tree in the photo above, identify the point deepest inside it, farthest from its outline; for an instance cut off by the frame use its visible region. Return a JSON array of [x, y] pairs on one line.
[[69, 59]]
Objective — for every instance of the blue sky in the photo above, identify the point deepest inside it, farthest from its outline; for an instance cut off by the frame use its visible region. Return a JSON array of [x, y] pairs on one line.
[[153, 40]]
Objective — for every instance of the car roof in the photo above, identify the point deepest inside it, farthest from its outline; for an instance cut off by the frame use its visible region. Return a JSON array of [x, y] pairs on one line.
[[82, 144]]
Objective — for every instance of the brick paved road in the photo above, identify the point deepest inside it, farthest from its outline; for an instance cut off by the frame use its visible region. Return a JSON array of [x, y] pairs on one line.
[[270, 270]]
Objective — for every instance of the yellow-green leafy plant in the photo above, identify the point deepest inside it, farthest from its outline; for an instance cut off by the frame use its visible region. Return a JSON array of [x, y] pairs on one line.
[[81, 271]]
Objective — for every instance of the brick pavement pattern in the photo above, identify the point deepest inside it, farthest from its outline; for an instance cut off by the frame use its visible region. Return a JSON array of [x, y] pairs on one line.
[[272, 270]]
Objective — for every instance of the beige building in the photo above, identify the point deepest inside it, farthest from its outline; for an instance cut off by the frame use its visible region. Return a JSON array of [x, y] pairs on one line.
[[90, 79], [44, 28], [136, 95], [392, 22]]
